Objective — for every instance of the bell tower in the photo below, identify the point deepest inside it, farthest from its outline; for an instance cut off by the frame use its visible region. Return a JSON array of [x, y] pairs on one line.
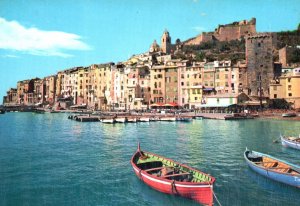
[[166, 42]]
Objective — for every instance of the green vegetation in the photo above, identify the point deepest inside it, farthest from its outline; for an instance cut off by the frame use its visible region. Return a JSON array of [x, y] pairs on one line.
[[216, 50], [278, 104]]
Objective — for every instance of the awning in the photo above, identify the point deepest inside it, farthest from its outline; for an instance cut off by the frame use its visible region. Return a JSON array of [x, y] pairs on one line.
[[171, 104], [156, 105], [208, 89]]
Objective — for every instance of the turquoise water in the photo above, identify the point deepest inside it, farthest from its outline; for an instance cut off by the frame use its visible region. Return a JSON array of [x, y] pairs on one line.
[[46, 159]]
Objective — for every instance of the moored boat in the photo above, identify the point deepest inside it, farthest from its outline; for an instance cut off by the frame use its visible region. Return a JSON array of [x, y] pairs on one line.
[[273, 168], [293, 142], [108, 121], [2, 111], [144, 119], [169, 119], [184, 119], [131, 119], [168, 176], [291, 114], [120, 119]]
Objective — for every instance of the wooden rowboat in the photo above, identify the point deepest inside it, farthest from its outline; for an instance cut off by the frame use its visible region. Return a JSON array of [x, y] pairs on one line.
[[273, 168], [293, 142], [168, 176]]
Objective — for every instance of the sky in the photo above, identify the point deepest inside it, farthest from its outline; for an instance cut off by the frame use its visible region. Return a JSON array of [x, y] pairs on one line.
[[39, 38]]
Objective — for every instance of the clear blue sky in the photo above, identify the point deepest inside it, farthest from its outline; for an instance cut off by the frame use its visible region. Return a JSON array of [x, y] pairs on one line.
[[39, 38]]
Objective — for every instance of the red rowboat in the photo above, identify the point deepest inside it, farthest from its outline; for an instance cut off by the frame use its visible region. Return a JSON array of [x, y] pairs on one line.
[[168, 176]]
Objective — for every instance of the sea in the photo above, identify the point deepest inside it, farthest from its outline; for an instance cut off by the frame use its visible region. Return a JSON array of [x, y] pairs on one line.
[[47, 159]]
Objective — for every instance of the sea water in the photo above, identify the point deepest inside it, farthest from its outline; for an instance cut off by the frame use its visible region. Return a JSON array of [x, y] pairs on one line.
[[47, 159]]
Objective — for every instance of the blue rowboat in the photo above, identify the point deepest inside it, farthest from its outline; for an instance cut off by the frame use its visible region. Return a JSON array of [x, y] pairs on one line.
[[293, 142], [273, 168]]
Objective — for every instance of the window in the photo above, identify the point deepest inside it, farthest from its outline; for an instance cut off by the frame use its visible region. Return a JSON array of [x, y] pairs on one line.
[[196, 98], [289, 79], [226, 76], [275, 88], [258, 44], [217, 76], [182, 83], [289, 87], [182, 100], [290, 94], [275, 96]]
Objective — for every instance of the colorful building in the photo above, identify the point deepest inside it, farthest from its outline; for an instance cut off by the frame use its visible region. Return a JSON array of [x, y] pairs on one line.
[[287, 87]]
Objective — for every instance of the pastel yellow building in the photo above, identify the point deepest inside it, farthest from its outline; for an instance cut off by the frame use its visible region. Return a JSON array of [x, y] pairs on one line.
[[287, 87]]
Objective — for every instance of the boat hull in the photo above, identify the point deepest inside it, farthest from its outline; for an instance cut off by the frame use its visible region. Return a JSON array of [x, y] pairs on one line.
[[288, 143], [120, 120], [107, 121], [290, 179]]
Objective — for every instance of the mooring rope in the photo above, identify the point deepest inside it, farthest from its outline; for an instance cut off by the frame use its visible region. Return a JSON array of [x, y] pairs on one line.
[[216, 199]]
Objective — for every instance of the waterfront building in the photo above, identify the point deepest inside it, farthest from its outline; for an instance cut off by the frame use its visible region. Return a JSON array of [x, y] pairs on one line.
[[58, 85], [220, 102], [25, 91], [39, 91], [190, 83], [102, 89], [11, 97], [118, 87], [69, 84], [48, 90], [208, 74], [226, 77], [164, 83], [287, 87], [259, 58]]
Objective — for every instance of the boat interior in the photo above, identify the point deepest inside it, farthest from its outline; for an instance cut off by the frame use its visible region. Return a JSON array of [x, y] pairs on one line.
[[294, 139], [272, 164], [164, 168]]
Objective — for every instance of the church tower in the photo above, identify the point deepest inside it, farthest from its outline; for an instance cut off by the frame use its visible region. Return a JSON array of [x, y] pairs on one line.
[[166, 42]]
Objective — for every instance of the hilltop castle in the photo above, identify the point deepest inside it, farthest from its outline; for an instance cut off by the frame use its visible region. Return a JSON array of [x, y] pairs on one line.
[[226, 32]]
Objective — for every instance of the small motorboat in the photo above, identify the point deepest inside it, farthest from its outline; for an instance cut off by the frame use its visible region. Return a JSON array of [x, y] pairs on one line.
[[168, 119], [184, 119], [108, 121], [291, 114], [168, 176], [131, 119], [293, 142], [273, 168], [120, 119], [144, 119]]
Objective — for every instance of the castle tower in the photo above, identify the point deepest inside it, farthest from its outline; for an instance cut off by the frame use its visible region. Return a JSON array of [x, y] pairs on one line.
[[166, 42], [260, 67]]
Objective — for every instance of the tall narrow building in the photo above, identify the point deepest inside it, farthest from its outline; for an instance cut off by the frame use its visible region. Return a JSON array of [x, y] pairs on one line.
[[260, 69], [166, 42]]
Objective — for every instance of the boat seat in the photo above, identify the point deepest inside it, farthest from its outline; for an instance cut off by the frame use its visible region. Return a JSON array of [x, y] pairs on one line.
[[156, 168], [280, 169], [174, 175]]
